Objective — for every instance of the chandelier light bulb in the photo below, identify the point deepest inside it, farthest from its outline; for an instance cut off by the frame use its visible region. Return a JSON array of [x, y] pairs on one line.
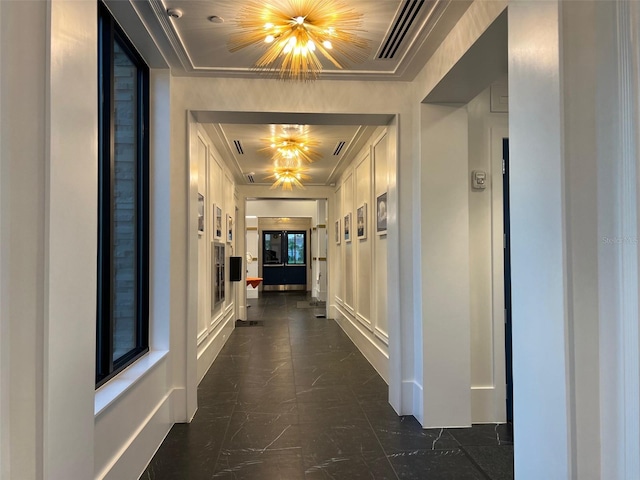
[[327, 45], [269, 39], [299, 20]]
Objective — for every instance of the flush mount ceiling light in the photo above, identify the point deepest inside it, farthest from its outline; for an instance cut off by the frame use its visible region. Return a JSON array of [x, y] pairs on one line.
[[287, 176], [289, 151], [294, 34], [293, 147], [287, 171]]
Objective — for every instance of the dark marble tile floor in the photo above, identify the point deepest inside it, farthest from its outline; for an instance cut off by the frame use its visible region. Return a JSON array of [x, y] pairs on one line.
[[293, 399]]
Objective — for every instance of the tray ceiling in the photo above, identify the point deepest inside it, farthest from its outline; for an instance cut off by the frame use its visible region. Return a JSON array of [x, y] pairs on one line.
[[402, 34]]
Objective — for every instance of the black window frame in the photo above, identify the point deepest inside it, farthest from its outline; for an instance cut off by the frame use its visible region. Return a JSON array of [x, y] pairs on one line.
[[110, 32]]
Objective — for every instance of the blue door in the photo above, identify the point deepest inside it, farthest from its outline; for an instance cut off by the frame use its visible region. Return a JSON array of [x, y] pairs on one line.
[[284, 255]]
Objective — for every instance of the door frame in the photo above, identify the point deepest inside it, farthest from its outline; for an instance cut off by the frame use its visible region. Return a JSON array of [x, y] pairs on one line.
[[498, 285]]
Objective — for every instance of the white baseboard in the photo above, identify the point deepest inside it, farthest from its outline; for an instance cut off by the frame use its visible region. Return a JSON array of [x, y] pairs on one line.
[[362, 339], [136, 453], [210, 349], [412, 399]]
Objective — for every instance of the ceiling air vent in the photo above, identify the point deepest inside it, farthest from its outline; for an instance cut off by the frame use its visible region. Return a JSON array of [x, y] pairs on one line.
[[338, 149], [404, 21], [250, 178], [238, 146]]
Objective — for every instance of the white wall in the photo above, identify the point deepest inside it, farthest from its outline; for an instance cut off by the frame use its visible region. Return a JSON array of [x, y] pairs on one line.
[[573, 124], [49, 237], [283, 208], [4, 344], [359, 304], [319, 249], [48, 261], [136, 409], [253, 248], [22, 169], [68, 178], [215, 182], [539, 269], [445, 266], [486, 262], [469, 28]]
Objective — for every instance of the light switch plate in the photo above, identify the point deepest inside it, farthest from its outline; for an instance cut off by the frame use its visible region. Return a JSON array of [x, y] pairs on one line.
[[479, 179]]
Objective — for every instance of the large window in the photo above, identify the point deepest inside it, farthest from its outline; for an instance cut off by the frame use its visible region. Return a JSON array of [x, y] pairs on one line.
[[122, 333]]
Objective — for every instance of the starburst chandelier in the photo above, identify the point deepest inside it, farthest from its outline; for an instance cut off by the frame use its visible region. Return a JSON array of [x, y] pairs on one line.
[[294, 32], [289, 151], [288, 176], [292, 146]]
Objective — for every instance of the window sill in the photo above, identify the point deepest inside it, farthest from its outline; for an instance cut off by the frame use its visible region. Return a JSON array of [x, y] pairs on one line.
[[108, 393]]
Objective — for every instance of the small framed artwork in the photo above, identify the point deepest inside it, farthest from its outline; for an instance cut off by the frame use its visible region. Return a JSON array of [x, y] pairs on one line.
[[338, 232], [381, 214], [200, 214], [347, 227], [229, 228], [361, 221], [217, 221]]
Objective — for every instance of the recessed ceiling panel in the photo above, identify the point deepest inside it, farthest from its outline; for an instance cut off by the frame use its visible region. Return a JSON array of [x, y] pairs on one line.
[[414, 27], [249, 146]]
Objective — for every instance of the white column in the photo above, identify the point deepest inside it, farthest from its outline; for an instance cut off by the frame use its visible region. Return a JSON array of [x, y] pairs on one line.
[[538, 250], [574, 161], [187, 360], [445, 267], [70, 241], [618, 176], [22, 192]]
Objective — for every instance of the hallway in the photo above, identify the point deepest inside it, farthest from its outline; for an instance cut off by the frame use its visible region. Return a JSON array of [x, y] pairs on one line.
[[292, 398]]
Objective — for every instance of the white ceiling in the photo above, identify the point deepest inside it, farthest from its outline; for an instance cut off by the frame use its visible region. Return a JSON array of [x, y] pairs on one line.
[[251, 158], [193, 45], [253, 131]]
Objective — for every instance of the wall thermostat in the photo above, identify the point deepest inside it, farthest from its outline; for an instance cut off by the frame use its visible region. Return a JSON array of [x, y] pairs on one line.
[[479, 179]]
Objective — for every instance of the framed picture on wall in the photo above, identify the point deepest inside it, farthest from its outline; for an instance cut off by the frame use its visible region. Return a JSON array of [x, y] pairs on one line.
[[229, 228], [200, 214], [361, 221], [347, 227], [381, 214], [217, 222], [338, 232]]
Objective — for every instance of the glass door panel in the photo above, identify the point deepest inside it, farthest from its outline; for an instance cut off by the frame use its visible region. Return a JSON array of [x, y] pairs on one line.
[[296, 248], [272, 248]]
